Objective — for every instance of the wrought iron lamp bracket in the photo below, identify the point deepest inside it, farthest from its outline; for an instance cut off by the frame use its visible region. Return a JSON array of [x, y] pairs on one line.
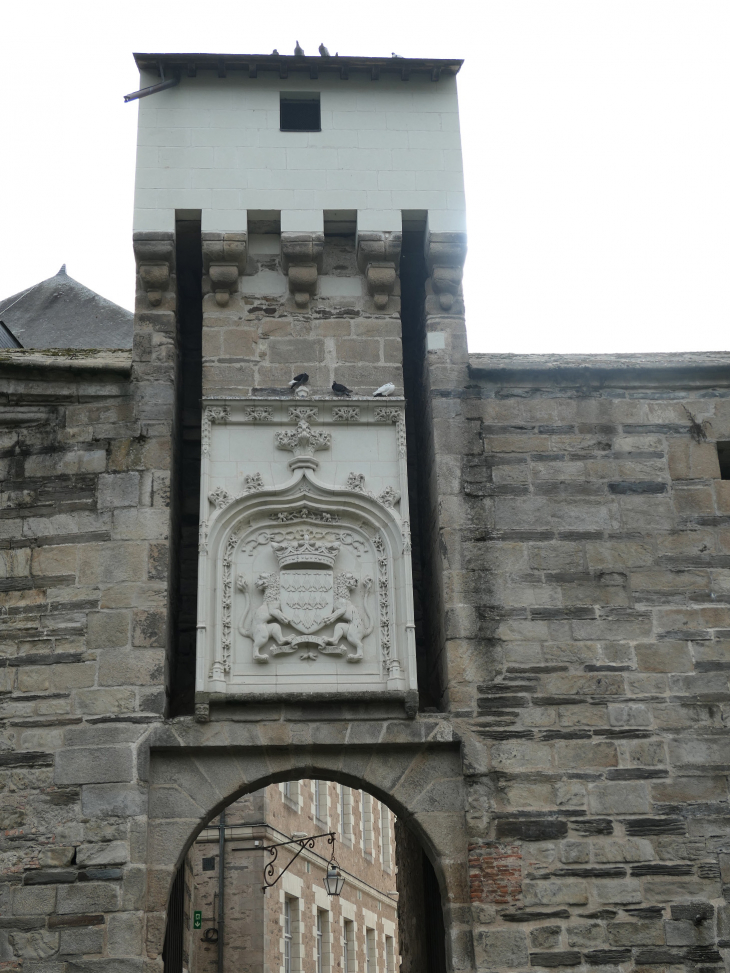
[[303, 843]]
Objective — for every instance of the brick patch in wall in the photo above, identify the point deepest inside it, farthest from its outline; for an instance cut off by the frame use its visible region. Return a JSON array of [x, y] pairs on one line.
[[495, 873]]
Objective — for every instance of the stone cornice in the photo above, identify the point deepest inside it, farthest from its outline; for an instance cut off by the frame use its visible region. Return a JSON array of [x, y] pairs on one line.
[[267, 396], [677, 369], [73, 359]]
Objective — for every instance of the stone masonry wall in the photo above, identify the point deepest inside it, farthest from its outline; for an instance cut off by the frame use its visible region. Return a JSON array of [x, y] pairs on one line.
[[85, 469], [584, 538], [261, 337]]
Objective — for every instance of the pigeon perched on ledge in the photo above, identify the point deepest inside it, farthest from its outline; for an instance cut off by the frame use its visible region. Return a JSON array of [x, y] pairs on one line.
[[298, 51], [341, 389], [386, 389], [323, 51], [298, 380]]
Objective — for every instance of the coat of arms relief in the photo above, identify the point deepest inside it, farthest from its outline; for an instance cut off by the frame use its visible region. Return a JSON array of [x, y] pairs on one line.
[[304, 555], [308, 598]]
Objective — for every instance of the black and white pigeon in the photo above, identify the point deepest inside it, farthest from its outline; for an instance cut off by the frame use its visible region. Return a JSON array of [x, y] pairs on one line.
[[298, 51], [298, 380], [386, 389], [323, 51], [341, 389]]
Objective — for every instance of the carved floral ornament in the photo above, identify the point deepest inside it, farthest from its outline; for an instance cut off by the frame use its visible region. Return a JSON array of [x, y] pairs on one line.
[[221, 498], [303, 442], [388, 497], [260, 413], [211, 414], [345, 413], [308, 413], [396, 416]]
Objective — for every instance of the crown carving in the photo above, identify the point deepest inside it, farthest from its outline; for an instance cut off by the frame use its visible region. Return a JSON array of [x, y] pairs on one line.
[[306, 551]]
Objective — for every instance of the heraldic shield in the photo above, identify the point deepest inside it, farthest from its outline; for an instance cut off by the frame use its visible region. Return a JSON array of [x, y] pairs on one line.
[[307, 597]]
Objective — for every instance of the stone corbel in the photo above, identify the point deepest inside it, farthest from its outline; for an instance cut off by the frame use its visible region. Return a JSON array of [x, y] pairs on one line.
[[154, 254], [445, 255], [301, 257], [378, 257], [224, 261]]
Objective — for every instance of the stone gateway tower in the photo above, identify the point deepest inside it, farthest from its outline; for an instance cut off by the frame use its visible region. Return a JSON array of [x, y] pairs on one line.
[[497, 597]]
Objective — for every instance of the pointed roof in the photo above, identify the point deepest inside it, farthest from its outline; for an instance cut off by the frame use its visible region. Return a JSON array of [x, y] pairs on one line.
[[61, 313]]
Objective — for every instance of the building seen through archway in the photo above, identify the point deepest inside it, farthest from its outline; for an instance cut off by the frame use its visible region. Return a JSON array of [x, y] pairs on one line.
[[231, 913]]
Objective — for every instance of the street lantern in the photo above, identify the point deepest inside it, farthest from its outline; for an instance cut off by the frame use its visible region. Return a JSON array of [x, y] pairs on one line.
[[334, 879]]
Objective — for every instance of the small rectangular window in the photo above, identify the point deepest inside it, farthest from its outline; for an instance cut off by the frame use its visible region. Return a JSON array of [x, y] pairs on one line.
[[345, 812], [287, 935], [389, 955], [385, 837], [292, 935], [320, 967], [299, 112], [723, 454], [320, 801], [366, 804], [370, 964], [323, 937], [209, 864], [291, 792], [348, 946]]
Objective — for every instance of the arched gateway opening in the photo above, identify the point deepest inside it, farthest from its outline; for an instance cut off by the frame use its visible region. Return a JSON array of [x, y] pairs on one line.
[[416, 905], [254, 891]]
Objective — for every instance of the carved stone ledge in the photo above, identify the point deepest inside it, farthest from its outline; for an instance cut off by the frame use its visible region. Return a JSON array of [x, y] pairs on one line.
[[301, 257], [378, 257], [224, 260], [154, 254], [445, 256]]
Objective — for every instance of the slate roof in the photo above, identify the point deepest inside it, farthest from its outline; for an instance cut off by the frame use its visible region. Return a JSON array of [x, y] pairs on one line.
[[61, 313]]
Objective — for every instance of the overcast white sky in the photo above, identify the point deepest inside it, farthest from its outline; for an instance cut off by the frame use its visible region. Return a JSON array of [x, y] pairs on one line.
[[596, 141]]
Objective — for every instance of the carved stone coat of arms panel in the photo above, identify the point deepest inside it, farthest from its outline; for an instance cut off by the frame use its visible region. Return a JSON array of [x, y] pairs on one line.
[[305, 577]]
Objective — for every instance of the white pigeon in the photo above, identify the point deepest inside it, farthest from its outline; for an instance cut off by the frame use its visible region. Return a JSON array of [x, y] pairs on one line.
[[386, 389]]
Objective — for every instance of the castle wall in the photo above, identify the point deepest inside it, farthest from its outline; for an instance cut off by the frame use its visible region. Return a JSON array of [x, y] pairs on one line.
[[84, 559], [580, 521], [582, 537]]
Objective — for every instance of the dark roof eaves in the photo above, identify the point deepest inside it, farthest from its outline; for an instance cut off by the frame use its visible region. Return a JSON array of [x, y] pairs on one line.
[[274, 62]]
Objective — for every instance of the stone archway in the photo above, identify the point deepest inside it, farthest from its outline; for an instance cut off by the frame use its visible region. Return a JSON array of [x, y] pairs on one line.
[[197, 770]]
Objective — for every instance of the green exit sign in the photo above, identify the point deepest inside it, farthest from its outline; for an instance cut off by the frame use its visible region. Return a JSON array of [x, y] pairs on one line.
[[197, 920]]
